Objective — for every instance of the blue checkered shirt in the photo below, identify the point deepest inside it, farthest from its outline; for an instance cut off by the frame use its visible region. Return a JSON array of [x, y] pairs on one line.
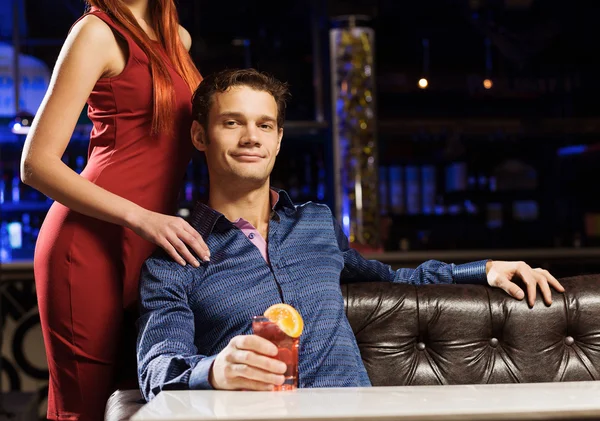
[[188, 315]]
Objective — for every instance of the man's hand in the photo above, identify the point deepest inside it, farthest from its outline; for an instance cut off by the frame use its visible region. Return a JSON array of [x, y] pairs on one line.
[[247, 363], [500, 275]]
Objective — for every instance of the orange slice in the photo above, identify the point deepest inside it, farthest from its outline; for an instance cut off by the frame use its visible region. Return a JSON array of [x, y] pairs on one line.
[[287, 318]]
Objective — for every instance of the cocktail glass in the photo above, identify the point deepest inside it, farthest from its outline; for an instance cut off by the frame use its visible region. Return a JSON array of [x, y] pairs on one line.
[[287, 349]]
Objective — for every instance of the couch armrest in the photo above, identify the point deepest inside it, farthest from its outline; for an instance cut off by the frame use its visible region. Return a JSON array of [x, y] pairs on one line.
[[122, 404]]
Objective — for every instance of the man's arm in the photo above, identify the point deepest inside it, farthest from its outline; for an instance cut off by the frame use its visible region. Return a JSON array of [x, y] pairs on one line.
[[486, 272], [359, 269], [166, 353]]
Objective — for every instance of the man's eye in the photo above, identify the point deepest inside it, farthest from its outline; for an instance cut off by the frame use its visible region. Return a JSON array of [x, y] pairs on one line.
[[231, 123], [266, 126]]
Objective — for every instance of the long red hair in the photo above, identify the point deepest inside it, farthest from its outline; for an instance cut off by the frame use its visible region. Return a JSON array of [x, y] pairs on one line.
[[165, 23]]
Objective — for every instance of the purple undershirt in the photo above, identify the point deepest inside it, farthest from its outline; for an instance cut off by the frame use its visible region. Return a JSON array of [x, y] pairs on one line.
[[252, 233]]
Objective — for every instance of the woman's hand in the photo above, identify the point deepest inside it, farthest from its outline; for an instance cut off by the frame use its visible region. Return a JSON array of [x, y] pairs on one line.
[[172, 233]]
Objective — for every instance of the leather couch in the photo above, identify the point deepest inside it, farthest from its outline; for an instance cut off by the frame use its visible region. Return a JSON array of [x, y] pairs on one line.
[[462, 334]]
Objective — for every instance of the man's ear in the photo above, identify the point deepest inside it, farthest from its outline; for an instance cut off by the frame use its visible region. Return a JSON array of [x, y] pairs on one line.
[[198, 136], [280, 136]]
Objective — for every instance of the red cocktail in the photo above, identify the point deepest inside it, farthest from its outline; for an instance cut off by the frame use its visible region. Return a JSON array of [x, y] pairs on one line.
[[287, 349]]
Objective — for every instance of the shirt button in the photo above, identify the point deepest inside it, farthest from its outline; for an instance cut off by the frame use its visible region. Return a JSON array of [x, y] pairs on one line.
[[251, 236]]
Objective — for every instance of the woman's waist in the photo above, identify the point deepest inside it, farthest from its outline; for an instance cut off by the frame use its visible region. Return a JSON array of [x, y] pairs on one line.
[[136, 176], [157, 195]]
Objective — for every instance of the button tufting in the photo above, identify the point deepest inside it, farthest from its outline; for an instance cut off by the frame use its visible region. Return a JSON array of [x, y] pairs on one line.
[[420, 346], [494, 342], [569, 340]]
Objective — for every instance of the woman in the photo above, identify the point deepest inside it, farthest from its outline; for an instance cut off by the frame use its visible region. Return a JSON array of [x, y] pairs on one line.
[[128, 59]]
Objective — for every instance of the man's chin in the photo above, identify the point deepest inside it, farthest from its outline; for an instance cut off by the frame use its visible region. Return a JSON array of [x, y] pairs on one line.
[[249, 180]]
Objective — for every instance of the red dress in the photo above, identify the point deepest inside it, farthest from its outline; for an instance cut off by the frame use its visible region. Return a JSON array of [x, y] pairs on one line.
[[87, 270]]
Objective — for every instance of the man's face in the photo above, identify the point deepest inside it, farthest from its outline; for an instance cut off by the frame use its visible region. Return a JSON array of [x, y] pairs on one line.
[[242, 138]]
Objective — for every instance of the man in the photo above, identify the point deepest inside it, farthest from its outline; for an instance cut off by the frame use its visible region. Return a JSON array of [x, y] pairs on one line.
[[196, 322]]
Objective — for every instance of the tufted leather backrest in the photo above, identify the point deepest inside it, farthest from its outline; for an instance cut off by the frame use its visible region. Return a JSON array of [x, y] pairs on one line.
[[466, 334]]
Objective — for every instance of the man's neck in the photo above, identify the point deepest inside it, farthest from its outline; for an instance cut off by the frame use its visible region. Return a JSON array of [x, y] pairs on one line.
[[253, 205]]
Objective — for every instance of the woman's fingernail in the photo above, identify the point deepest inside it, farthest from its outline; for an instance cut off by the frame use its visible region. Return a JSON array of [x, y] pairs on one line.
[[196, 264], [206, 258]]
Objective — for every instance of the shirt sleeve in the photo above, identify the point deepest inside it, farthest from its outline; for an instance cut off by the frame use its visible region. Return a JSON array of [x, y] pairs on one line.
[[166, 354], [359, 269]]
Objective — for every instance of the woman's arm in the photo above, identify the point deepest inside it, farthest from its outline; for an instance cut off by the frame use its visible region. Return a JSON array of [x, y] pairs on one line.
[[90, 52]]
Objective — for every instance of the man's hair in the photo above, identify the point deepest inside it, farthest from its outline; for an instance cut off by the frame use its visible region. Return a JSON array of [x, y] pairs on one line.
[[225, 79]]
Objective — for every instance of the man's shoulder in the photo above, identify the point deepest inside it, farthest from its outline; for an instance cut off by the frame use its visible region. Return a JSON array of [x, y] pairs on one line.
[[161, 266], [318, 215], [314, 208], [286, 203], [162, 259]]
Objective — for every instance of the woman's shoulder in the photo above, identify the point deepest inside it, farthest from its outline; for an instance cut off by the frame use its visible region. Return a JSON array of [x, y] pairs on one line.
[[93, 29]]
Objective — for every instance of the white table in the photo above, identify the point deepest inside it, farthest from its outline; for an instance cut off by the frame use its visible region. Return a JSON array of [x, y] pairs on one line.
[[490, 402]]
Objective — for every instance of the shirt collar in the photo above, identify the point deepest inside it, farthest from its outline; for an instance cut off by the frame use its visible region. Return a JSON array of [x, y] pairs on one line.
[[204, 218]]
